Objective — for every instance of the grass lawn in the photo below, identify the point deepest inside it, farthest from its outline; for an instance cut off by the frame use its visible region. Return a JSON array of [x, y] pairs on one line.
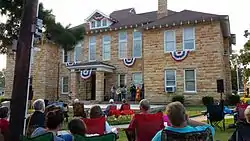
[[191, 110]]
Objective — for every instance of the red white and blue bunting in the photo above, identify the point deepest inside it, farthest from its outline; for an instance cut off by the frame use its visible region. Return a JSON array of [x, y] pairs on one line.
[[69, 64], [85, 74], [179, 55], [129, 62], [98, 18]]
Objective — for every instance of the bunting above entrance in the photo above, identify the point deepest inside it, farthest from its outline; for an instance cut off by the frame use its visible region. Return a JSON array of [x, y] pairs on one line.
[[85, 74], [129, 62], [68, 64], [179, 55]]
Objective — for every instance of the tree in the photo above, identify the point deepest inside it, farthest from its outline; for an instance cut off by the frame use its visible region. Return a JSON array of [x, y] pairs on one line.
[[2, 79], [12, 10], [234, 62], [244, 59]]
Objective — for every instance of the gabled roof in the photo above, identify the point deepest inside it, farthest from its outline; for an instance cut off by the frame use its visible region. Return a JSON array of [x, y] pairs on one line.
[[128, 18], [96, 11], [185, 16]]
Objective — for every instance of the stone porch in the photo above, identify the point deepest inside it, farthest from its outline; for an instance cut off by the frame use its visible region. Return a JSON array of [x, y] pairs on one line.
[[97, 86]]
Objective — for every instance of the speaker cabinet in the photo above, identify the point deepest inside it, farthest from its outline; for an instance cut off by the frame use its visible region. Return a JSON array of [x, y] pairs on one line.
[[220, 86]]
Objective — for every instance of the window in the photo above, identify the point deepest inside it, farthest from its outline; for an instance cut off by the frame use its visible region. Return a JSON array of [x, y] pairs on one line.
[[77, 52], [98, 23], [189, 38], [93, 24], [106, 47], [189, 81], [104, 22], [137, 45], [137, 78], [169, 41], [65, 56], [122, 45], [92, 48], [170, 78], [65, 85], [121, 79]]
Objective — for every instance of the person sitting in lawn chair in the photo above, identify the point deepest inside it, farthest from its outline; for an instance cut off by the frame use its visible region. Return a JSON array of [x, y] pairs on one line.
[[243, 127], [181, 124]]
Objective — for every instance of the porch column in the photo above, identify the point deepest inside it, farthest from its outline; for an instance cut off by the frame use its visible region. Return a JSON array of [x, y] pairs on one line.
[[73, 80], [99, 86]]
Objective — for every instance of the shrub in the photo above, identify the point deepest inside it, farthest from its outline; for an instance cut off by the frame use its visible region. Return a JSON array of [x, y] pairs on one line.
[[179, 98], [207, 100], [233, 99]]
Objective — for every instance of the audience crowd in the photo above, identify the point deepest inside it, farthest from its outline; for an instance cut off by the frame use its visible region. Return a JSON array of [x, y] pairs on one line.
[[51, 118]]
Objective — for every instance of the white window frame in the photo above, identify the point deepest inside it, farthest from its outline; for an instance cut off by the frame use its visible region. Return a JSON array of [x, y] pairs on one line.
[[95, 26], [137, 39], [165, 45], [183, 38], [119, 79], [63, 56], [123, 41], [165, 78], [62, 85], [90, 44], [103, 45], [77, 46], [133, 77], [195, 84]]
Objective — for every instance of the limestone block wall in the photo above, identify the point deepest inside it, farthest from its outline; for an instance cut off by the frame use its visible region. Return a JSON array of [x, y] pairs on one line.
[[207, 60], [43, 71], [115, 61]]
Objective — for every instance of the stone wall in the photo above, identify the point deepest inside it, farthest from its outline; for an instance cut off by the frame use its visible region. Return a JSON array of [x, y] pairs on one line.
[[43, 71], [207, 59]]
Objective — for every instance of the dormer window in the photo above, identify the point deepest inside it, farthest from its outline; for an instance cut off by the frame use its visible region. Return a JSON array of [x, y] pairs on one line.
[[104, 22], [98, 23], [99, 20], [93, 24]]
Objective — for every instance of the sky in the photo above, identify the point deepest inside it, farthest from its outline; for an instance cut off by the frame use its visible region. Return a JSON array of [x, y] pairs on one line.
[[76, 11]]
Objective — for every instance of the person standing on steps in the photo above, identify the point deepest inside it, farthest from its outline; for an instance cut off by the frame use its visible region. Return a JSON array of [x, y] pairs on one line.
[[132, 92], [119, 93]]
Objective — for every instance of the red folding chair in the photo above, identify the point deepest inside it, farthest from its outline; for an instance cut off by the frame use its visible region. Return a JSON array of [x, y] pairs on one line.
[[240, 108], [95, 125], [113, 111], [126, 110], [147, 125]]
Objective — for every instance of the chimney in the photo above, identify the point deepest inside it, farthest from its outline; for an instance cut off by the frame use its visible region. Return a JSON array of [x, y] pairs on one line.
[[162, 8]]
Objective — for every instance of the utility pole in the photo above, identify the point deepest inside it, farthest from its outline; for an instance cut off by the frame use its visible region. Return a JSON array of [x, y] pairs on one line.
[[21, 74]]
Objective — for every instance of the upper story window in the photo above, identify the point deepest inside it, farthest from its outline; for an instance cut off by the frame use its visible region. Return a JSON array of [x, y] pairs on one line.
[[122, 53], [189, 80], [169, 41], [106, 47], [78, 52], [137, 45], [65, 56], [92, 48], [92, 24], [98, 23], [189, 38], [104, 22]]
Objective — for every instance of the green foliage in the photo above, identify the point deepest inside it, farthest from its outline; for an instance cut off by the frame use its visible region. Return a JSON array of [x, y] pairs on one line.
[[244, 58], [179, 98], [207, 100], [12, 10], [233, 99], [2, 79], [123, 119]]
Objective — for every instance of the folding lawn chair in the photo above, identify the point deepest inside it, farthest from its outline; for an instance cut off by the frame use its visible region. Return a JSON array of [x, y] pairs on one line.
[[105, 137], [205, 135], [216, 115], [44, 137]]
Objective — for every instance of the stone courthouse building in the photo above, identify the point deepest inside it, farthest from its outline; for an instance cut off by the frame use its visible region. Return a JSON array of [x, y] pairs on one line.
[[171, 53]]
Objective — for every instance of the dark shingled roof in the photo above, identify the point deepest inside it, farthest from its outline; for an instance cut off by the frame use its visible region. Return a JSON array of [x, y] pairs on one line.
[[128, 17]]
